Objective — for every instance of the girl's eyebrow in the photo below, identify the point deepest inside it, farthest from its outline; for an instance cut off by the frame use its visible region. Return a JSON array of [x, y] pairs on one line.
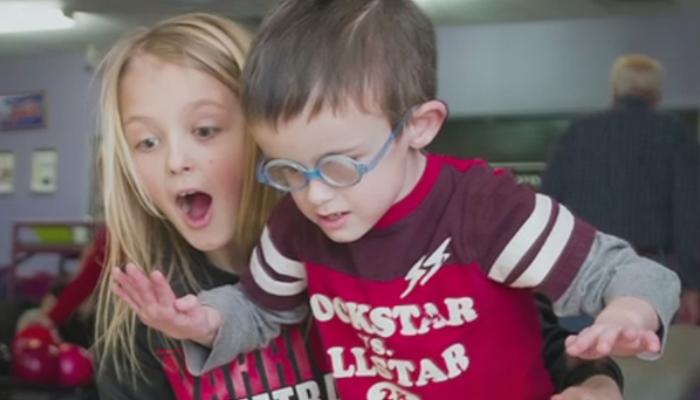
[[205, 102], [136, 118]]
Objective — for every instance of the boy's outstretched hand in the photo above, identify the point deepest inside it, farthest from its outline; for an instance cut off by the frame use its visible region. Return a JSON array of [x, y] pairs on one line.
[[626, 327], [155, 303]]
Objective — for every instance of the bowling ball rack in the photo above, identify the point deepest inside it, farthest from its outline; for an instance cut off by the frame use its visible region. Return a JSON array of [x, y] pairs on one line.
[[65, 239]]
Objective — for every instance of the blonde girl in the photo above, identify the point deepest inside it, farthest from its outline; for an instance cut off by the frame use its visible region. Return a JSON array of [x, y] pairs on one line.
[[180, 194]]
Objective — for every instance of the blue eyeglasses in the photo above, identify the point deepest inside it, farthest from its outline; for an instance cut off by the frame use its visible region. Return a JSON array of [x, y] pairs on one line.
[[336, 170]]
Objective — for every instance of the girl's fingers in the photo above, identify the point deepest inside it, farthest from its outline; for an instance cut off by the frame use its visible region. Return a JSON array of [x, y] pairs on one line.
[[142, 284], [118, 276], [126, 286], [129, 284], [163, 292], [125, 297]]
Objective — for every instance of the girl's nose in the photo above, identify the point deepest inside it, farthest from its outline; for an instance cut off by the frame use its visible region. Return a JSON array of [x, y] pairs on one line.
[[178, 161]]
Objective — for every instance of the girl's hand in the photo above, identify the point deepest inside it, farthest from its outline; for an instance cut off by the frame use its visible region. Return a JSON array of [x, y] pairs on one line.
[[155, 303], [599, 387]]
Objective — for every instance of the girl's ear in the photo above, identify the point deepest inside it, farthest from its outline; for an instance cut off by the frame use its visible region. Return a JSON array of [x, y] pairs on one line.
[[424, 123]]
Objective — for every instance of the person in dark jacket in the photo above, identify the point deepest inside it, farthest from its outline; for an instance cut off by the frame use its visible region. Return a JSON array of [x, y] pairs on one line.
[[633, 172]]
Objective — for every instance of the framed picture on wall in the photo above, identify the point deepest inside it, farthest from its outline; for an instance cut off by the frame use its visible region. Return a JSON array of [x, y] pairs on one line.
[[44, 171], [22, 111], [7, 172]]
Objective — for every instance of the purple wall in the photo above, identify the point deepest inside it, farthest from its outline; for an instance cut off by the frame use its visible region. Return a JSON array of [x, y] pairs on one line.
[[69, 130], [536, 67]]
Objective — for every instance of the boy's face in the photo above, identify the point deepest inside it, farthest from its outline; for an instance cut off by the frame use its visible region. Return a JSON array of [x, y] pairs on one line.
[[345, 214]]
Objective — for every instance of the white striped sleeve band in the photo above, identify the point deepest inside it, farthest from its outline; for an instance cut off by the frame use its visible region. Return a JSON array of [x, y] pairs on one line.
[[271, 285], [281, 265], [525, 238], [549, 253]]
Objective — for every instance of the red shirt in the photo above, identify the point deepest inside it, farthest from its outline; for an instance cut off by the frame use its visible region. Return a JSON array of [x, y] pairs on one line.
[[435, 301]]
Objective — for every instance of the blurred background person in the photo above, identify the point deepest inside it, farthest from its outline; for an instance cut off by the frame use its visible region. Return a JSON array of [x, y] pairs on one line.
[[69, 308], [633, 171]]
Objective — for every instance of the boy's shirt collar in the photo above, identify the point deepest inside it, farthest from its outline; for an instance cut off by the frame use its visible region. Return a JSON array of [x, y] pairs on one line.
[[415, 197]]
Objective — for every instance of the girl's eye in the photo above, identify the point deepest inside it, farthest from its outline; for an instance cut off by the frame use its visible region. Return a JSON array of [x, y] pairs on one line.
[[206, 131], [147, 144]]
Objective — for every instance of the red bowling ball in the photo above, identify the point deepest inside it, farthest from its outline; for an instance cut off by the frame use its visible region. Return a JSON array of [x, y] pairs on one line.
[[34, 361], [40, 332], [75, 366]]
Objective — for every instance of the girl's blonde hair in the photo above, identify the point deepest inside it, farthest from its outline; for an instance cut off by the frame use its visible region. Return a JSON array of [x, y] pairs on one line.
[[138, 231]]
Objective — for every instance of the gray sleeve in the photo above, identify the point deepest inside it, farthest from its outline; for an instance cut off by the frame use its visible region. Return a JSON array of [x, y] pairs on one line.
[[245, 327], [612, 269]]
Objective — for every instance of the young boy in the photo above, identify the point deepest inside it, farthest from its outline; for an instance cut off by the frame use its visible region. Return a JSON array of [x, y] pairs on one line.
[[419, 269]]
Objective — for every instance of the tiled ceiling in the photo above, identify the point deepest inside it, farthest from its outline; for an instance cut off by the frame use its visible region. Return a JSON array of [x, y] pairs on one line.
[[99, 22]]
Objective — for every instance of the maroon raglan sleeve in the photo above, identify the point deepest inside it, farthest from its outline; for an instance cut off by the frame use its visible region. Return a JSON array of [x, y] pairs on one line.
[[521, 238], [276, 278]]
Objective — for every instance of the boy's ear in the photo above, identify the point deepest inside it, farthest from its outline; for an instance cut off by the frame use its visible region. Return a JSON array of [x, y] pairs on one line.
[[425, 123]]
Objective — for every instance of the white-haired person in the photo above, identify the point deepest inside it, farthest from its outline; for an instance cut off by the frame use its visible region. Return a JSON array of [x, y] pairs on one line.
[[633, 171]]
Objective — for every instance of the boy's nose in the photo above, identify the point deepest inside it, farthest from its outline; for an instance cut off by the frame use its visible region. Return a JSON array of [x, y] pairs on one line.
[[318, 192]]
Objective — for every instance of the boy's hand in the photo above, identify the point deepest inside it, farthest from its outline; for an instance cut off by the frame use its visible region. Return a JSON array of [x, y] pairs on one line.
[[626, 327], [154, 301], [599, 387]]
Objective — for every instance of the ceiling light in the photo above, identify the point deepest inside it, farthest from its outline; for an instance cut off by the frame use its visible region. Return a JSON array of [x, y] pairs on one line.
[[26, 17]]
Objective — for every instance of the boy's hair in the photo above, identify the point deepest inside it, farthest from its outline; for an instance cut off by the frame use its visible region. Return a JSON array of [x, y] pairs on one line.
[[637, 75], [138, 231], [379, 54]]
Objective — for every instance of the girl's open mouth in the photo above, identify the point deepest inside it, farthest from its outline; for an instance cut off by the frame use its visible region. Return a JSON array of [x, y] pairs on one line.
[[196, 206]]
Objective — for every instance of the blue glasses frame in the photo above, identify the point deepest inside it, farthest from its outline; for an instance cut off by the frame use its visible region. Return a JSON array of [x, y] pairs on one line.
[[310, 174]]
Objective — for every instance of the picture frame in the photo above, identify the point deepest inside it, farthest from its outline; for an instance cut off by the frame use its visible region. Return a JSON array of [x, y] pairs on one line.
[[22, 111], [44, 171], [7, 172]]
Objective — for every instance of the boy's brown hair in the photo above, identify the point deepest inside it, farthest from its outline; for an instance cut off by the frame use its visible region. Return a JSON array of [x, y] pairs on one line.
[[325, 53]]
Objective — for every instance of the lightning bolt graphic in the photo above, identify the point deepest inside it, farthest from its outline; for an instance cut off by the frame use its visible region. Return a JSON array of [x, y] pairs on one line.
[[424, 269]]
